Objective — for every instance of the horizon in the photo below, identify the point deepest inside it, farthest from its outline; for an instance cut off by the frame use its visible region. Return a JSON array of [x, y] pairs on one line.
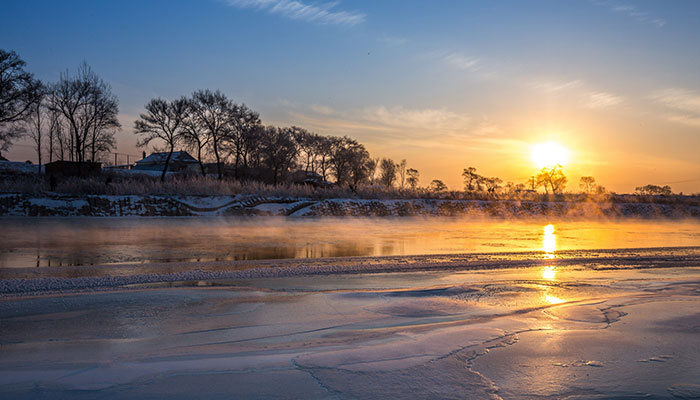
[[446, 88]]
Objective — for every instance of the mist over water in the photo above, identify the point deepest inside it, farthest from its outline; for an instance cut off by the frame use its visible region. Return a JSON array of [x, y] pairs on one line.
[[89, 241]]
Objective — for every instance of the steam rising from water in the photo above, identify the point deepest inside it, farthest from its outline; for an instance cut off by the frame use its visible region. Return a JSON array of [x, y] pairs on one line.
[[82, 241]]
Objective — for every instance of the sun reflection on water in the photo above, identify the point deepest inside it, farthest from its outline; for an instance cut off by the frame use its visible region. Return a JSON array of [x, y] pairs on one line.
[[549, 273], [554, 300], [549, 241]]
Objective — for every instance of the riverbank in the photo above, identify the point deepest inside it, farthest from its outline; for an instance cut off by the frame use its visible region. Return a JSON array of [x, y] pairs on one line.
[[176, 205]]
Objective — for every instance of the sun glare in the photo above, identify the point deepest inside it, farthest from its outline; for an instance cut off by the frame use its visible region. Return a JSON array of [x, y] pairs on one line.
[[549, 154]]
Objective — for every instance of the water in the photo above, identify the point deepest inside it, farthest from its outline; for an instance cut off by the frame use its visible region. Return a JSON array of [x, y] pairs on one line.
[[42, 242]]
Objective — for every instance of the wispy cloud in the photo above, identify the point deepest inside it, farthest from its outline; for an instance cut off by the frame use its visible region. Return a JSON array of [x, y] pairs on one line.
[[683, 105], [324, 13], [633, 12], [602, 100], [461, 61], [321, 109], [553, 86], [383, 123], [577, 90]]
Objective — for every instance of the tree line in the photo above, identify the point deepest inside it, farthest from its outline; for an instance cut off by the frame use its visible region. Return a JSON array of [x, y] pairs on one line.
[[73, 119]]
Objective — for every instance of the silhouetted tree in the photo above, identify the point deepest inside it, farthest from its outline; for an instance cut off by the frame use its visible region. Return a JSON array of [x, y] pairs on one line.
[[278, 151], [35, 125], [552, 179], [492, 184], [437, 186], [401, 172], [194, 136], [587, 184], [212, 111], [387, 172], [90, 110], [652, 190], [163, 120], [18, 91], [413, 177], [243, 135], [324, 151], [472, 181], [349, 161], [307, 148]]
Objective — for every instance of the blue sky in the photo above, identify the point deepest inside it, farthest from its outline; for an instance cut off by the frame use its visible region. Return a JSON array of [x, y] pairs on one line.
[[445, 84]]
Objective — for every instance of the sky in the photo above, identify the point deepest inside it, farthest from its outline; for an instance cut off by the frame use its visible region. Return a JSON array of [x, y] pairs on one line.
[[443, 84]]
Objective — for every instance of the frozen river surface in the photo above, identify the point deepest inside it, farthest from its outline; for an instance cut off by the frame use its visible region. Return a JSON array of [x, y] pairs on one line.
[[521, 333]]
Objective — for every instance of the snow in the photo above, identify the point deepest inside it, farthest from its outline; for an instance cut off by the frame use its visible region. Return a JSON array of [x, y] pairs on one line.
[[21, 167]]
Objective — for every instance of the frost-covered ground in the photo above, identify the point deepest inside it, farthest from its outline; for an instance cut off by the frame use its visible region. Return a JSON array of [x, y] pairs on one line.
[[55, 204], [587, 324]]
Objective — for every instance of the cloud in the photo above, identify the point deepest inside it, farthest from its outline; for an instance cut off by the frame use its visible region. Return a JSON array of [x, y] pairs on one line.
[[554, 86], [602, 100], [321, 109], [323, 14], [683, 105], [633, 12], [386, 124], [679, 99], [461, 61]]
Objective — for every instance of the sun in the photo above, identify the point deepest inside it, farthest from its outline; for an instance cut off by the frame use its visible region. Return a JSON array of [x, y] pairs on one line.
[[549, 154]]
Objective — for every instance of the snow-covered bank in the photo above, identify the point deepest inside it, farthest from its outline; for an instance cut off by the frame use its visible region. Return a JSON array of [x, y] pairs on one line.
[[103, 205]]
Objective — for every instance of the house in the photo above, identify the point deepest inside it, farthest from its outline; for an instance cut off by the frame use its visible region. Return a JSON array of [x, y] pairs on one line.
[[72, 168], [181, 161], [308, 178]]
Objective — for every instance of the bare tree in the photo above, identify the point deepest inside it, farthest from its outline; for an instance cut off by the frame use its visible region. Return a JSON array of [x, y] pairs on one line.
[[163, 120], [387, 172], [552, 179], [413, 177], [18, 91], [243, 134], [654, 190], [492, 184], [587, 184], [55, 132], [401, 172], [193, 136], [472, 181], [35, 126], [90, 110], [306, 143], [349, 161], [279, 151], [437, 186], [324, 150], [212, 111]]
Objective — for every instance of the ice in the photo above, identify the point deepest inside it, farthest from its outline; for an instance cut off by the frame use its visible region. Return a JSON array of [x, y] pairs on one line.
[[431, 334]]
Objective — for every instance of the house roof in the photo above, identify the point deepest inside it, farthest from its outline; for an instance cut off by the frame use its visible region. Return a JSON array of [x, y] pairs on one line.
[[159, 158]]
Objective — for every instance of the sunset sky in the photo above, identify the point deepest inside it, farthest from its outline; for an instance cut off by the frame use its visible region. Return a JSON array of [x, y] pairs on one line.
[[445, 85]]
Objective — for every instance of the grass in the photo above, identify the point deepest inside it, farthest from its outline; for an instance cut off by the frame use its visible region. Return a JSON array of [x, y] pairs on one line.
[[115, 183]]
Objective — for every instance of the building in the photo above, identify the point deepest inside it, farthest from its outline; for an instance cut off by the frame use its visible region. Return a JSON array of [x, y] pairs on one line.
[[60, 169], [181, 161]]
